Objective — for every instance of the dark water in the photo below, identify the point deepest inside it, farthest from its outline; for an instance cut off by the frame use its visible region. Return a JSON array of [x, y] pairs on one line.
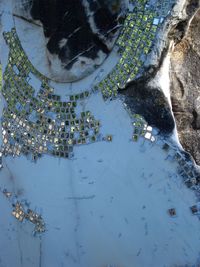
[[85, 27]]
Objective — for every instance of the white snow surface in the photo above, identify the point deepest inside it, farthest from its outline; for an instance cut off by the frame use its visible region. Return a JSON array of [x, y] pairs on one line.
[[106, 207], [109, 205]]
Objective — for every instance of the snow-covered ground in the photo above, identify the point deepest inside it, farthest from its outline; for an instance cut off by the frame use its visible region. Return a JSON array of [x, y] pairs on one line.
[[109, 205], [106, 207]]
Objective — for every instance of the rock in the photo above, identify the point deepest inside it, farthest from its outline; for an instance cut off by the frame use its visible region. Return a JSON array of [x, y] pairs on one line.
[[151, 104], [185, 86], [197, 110]]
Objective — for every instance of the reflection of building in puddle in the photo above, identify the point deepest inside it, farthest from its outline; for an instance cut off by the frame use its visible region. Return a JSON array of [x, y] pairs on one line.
[[7, 193], [18, 212], [22, 212], [195, 210], [142, 129], [1, 163], [188, 170]]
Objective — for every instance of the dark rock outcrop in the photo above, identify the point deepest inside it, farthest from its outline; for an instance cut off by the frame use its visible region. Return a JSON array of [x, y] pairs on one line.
[[151, 103]]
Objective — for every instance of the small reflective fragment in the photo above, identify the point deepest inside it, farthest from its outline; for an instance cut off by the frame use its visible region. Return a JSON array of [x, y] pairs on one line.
[[172, 212], [194, 209]]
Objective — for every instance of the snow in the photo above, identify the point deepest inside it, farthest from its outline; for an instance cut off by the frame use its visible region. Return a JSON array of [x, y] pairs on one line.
[[50, 64], [107, 206]]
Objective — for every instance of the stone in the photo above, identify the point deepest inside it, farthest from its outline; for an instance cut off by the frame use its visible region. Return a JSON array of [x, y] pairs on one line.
[[151, 104], [185, 85]]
